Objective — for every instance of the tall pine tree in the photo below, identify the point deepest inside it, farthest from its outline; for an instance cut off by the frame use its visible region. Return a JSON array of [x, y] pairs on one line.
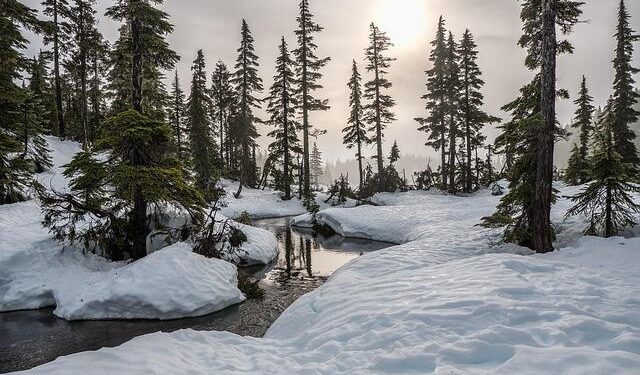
[[282, 103], [247, 84], [452, 90], [308, 73], [378, 112], [624, 95], [223, 98], [177, 117], [578, 167], [355, 133]]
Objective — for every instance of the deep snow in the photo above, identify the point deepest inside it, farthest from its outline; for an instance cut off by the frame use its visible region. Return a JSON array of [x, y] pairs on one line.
[[445, 301], [36, 271]]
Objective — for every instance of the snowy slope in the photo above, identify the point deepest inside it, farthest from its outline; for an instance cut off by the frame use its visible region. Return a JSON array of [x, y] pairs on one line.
[[440, 303], [36, 271]]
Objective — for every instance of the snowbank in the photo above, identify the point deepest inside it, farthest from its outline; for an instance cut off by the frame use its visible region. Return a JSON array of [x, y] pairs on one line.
[[261, 247], [438, 303]]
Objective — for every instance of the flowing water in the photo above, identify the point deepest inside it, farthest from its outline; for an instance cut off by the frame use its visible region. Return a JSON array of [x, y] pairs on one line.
[[305, 261]]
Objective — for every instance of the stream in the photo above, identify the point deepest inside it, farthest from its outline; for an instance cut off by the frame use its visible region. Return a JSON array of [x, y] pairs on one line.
[[305, 261]]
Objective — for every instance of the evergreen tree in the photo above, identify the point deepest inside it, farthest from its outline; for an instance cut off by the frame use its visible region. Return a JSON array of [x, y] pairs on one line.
[[223, 99], [177, 117], [525, 210], [608, 200], [60, 36], [378, 112], [578, 167], [453, 108], [203, 149], [355, 131], [436, 98], [281, 106], [308, 73], [15, 172], [317, 167], [33, 114], [247, 85], [471, 102], [394, 156], [624, 95]]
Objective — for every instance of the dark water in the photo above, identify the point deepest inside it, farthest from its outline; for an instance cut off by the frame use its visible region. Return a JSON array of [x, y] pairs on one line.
[[31, 338]]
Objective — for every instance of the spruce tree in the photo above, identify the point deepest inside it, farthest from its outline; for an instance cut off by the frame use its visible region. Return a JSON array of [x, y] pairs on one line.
[[436, 98], [624, 95], [525, 210], [471, 102], [394, 155], [33, 114], [223, 97], [177, 117], [452, 90], [317, 167], [355, 133], [59, 35], [607, 201], [378, 112], [203, 148], [247, 84], [578, 167], [308, 73], [282, 103], [15, 172]]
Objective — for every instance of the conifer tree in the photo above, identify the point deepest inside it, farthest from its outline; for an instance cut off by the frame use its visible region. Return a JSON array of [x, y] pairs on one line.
[[355, 133], [525, 210], [33, 115], [578, 167], [471, 102], [453, 108], [308, 74], [624, 95], [378, 112], [247, 85], [203, 149], [59, 35], [15, 172], [177, 116], [394, 155], [222, 96], [282, 103], [317, 167], [436, 98], [607, 201]]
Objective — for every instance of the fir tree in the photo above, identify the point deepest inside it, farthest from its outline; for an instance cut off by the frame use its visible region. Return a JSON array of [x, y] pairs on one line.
[[378, 112], [436, 98], [608, 200], [177, 117], [394, 155], [525, 210], [578, 167], [308, 73], [355, 131], [59, 35], [223, 98], [452, 90], [317, 167], [471, 102], [33, 114], [624, 95], [203, 150], [281, 106], [247, 85], [15, 172]]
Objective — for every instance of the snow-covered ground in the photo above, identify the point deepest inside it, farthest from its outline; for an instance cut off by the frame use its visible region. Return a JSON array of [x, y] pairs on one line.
[[444, 301], [36, 271]]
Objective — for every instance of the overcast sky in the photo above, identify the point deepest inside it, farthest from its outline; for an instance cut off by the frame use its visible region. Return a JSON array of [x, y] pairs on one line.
[[214, 26]]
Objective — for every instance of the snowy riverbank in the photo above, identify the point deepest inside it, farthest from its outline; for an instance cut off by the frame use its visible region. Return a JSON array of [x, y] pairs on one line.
[[442, 302], [36, 271]]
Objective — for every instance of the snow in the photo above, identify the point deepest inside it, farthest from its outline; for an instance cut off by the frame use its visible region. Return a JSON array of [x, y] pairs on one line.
[[36, 271], [444, 301]]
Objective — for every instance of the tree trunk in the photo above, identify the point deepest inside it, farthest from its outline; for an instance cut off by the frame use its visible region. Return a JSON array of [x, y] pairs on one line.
[[136, 60], [83, 77], [443, 158], [56, 72], [378, 109], [608, 229], [452, 156], [305, 108], [541, 205]]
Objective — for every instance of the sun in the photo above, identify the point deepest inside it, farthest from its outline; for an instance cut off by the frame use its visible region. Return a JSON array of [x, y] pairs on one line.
[[403, 20]]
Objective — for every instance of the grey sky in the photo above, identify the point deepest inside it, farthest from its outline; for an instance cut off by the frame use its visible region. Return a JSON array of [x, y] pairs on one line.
[[214, 25]]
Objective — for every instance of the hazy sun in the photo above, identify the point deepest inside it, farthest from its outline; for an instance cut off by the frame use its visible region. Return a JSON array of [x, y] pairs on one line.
[[403, 20]]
